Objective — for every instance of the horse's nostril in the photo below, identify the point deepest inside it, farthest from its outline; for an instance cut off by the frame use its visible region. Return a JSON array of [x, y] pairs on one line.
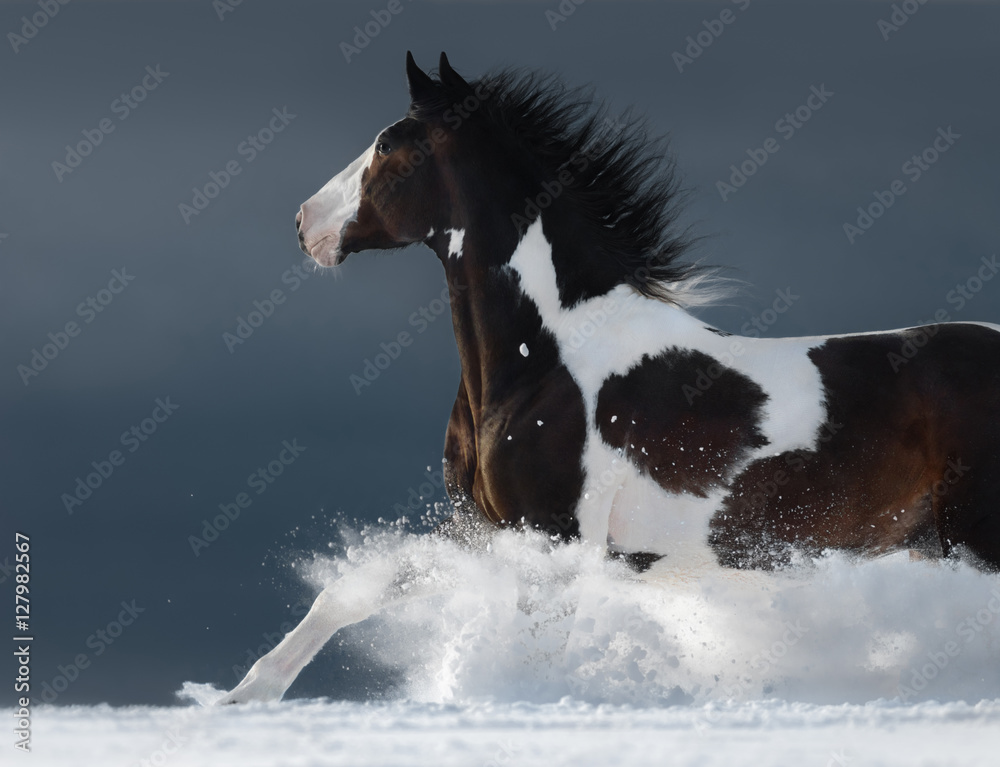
[[298, 219]]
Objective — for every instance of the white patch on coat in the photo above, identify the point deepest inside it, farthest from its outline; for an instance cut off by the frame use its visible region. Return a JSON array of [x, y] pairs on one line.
[[609, 335], [456, 241], [326, 213], [645, 517]]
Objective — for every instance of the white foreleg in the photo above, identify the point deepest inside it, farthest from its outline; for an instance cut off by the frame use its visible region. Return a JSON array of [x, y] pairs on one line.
[[354, 597]]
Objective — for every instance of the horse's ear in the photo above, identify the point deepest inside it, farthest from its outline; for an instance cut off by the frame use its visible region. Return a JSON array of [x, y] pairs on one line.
[[421, 85], [450, 77]]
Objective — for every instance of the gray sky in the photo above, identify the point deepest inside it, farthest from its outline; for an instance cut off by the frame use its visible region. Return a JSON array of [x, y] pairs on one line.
[[159, 334]]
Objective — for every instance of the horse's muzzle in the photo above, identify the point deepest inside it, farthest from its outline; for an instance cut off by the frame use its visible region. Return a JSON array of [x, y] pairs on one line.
[[325, 251]]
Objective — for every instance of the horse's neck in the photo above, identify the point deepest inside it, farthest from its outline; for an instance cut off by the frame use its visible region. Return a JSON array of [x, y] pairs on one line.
[[494, 329]]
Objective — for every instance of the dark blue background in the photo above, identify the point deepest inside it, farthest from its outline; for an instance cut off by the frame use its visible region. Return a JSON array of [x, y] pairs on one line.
[[163, 335]]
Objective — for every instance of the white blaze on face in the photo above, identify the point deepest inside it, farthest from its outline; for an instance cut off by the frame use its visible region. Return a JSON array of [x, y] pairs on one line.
[[326, 213]]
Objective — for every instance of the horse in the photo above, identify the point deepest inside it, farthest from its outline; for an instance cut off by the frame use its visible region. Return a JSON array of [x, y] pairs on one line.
[[594, 406]]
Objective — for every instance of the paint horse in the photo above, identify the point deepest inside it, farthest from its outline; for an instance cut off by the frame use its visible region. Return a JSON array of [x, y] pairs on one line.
[[593, 406]]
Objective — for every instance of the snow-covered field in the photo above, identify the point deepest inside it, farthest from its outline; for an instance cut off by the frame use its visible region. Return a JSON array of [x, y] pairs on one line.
[[534, 655], [579, 734]]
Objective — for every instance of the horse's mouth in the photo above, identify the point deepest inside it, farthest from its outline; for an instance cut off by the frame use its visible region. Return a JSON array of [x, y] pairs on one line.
[[325, 252]]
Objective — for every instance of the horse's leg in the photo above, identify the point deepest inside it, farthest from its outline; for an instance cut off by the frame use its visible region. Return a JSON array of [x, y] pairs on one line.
[[353, 598], [967, 506]]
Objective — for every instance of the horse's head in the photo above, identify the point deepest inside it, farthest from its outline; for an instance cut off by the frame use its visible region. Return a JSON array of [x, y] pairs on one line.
[[394, 194]]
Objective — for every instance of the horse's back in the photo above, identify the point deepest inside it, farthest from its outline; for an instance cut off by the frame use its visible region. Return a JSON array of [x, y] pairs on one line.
[[909, 455]]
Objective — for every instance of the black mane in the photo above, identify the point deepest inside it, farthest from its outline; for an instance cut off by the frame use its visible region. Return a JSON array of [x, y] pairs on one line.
[[629, 192]]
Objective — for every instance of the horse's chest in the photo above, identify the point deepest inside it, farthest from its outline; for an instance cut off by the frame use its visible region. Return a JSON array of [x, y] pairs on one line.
[[529, 447]]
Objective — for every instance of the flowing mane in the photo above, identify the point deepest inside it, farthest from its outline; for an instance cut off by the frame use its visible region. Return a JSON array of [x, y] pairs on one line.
[[629, 193]]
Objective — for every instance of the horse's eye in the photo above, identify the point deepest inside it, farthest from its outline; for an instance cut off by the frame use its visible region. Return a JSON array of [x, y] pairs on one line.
[[382, 147]]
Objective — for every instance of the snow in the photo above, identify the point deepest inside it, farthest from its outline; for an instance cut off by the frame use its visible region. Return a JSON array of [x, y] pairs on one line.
[[536, 653], [536, 621], [321, 732]]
